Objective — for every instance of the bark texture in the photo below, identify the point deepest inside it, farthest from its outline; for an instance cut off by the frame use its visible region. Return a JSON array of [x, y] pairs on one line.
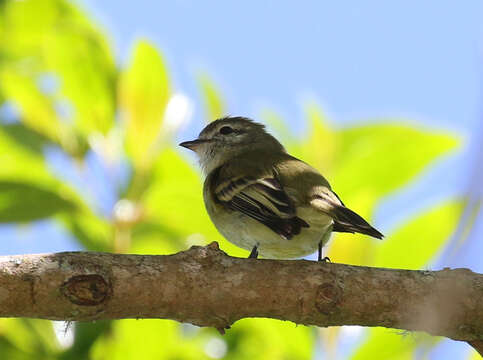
[[206, 287]]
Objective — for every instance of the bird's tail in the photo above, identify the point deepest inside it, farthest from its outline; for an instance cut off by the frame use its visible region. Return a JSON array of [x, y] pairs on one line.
[[346, 220]]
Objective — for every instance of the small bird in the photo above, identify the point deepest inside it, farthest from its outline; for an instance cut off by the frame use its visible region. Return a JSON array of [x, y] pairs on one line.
[[264, 200]]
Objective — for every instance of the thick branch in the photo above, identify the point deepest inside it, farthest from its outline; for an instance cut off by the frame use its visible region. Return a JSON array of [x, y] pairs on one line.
[[206, 287]]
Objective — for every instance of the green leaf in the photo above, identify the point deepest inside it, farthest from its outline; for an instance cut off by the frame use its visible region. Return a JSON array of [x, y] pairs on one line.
[[269, 339], [36, 193], [247, 339], [22, 202], [150, 237], [144, 92], [85, 336], [36, 109], [319, 149], [25, 137], [176, 190], [9, 351], [86, 71], [174, 203], [390, 344], [161, 339], [25, 25], [474, 355], [174, 213], [380, 158], [27, 339], [370, 162], [16, 158], [39, 38], [419, 240], [215, 107]]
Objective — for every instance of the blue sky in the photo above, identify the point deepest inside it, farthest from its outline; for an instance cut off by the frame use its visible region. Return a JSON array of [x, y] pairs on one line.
[[360, 59]]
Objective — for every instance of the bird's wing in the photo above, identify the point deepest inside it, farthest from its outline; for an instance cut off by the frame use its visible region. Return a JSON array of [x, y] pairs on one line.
[[345, 220], [257, 193]]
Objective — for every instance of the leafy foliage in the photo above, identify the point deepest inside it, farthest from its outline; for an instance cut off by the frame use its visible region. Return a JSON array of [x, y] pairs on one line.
[[143, 94], [68, 98], [21, 202]]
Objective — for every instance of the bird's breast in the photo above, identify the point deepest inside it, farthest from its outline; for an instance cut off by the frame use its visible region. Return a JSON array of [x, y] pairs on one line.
[[246, 232]]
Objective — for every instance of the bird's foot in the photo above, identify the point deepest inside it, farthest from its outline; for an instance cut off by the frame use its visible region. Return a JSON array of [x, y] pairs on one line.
[[254, 253]]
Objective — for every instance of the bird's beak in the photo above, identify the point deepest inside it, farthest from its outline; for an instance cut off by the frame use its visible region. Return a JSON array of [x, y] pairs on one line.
[[193, 144]]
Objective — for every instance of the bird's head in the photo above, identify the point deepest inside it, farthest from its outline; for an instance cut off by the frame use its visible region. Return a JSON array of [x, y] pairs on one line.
[[226, 138]]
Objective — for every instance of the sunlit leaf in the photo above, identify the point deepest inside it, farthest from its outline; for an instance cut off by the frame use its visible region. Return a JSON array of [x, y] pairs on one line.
[[143, 94], [37, 47], [27, 339], [175, 195], [474, 355], [214, 104], [25, 137], [36, 109], [269, 339], [380, 158], [86, 73], [174, 201], [9, 351], [419, 240], [85, 336], [370, 162], [248, 339], [40, 37], [30, 191], [160, 339], [25, 25], [390, 344], [157, 238], [17, 158], [319, 148], [21, 164], [22, 202]]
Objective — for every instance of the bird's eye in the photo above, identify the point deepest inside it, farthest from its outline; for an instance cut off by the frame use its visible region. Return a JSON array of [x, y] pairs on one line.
[[225, 130]]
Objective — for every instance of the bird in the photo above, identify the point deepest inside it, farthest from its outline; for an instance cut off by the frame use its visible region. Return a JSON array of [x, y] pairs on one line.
[[264, 200]]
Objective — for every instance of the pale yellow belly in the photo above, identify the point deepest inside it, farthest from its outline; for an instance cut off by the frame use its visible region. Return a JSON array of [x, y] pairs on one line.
[[246, 233]]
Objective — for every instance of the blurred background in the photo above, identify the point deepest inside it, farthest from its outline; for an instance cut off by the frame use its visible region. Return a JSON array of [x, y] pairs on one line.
[[383, 97]]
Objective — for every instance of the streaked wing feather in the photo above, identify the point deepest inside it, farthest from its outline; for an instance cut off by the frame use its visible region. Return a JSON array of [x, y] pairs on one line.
[[286, 228], [266, 191], [345, 220], [263, 200], [227, 189]]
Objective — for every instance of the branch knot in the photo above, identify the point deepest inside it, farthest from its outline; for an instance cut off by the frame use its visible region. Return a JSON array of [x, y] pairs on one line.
[[328, 297], [87, 290]]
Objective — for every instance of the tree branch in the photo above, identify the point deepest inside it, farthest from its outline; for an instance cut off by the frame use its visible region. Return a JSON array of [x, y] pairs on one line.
[[206, 287]]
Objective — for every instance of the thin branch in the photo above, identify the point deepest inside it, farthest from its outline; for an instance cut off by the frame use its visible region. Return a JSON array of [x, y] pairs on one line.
[[206, 287]]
